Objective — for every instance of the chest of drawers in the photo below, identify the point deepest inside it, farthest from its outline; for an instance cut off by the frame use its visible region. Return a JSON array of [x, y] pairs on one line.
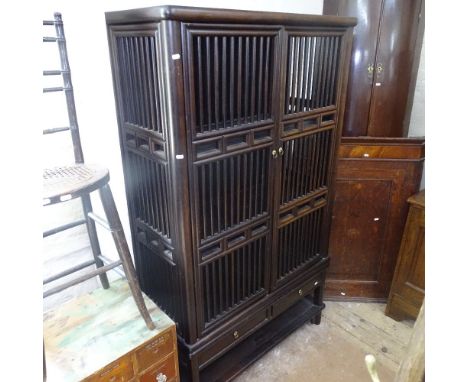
[[100, 337]]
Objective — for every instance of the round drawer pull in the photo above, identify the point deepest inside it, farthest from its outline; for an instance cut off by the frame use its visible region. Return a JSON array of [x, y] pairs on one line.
[[301, 292], [316, 283], [236, 334], [161, 377]]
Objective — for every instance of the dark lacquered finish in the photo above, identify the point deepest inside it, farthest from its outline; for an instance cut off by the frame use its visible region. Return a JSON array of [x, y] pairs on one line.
[[374, 179], [361, 70], [395, 54], [229, 123], [386, 49]]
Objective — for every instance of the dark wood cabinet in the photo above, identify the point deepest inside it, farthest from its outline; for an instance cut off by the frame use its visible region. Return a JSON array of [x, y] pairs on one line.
[[374, 179], [407, 291], [229, 123], [386, 48]]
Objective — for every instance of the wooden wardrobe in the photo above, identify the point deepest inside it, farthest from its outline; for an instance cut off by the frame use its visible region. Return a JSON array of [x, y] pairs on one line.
[[386, 49], [378, 167], [229, 123]]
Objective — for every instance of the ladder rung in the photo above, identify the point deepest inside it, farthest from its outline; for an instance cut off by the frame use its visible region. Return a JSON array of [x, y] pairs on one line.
[[52, 39], [106, 261], [64, 227], [55, 130], [52, 22], [56, 89], [91, 274], [100, 221], [68, 271], [54, 72]]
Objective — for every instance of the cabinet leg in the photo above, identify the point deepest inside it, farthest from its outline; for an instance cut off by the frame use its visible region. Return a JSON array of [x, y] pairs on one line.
[[318, 300], [316, 319]]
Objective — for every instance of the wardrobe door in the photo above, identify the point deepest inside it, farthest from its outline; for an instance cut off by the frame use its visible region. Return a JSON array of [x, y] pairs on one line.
[[306, 140], [395, 55], [362, 68], [231, 74], [386, 47]]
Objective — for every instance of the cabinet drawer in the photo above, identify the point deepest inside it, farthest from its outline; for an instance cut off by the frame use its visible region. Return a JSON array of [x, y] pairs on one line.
[[118, 371], [295, 294], [155, 350], [164, 372], [236, 334], [382, 150]]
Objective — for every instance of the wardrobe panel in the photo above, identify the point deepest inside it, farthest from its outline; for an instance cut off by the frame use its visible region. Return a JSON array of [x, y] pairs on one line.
[[395, 54], [359, 226], [233, 278], [312, 61], [361, 70], [374, 177], [230, 192], [299, 238], [232, 74], [305, 160], [231, 207], [137, 56]]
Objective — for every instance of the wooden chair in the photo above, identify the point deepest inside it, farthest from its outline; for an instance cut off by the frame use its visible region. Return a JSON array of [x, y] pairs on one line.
[[78, 181]]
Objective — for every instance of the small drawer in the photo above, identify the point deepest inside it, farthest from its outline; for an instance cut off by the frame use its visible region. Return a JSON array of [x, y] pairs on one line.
[[118, 371], [237, 333], [155, 350], [163, 372], [295, 294], [381, 151]]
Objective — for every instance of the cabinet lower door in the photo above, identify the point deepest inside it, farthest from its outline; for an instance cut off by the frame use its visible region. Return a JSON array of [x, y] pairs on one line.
[[232, 200], [302, 200]]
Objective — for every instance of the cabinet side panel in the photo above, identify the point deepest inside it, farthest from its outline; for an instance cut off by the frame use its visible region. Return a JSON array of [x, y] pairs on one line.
[[136, 57]]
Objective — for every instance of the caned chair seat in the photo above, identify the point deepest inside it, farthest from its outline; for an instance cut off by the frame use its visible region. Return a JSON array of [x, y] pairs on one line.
[[68, 182]]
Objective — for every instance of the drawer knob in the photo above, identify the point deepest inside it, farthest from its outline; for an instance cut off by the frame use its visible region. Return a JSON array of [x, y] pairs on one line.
[[301, 292], [236, 334], [316, 283], [161, 377]]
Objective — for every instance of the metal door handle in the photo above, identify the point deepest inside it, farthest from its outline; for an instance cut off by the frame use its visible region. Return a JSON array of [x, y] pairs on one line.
[[274, 154]]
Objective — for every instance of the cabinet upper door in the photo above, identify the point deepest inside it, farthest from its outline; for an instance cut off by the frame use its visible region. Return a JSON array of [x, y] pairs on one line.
[[382, 71], [362, 68], [231, 75], [306, 142], [393, 67]]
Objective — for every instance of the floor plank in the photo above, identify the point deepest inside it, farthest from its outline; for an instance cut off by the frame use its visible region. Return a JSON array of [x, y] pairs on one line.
[[376, 337]]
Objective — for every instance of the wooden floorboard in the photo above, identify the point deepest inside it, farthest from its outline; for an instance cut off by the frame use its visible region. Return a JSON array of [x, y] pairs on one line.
[[375, 336]]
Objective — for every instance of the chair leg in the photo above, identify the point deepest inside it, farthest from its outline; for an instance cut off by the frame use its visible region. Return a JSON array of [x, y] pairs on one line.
[[93, 238], [118, 235]]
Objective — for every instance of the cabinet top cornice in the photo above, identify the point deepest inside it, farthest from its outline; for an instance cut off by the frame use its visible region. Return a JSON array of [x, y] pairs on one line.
[[212, 15]]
